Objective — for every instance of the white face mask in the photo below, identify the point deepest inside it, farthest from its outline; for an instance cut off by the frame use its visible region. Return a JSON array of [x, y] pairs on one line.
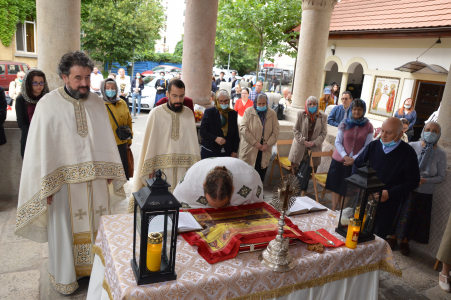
[[407, 106], [137, 76]]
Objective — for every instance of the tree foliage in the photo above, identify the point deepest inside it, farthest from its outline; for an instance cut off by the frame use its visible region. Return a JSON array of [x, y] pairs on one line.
[[178, 50], [11, 13], [113, 29], [258, 26]]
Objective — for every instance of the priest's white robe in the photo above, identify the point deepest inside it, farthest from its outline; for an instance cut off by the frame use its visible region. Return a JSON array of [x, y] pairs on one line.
[[170, 144], [248, 187], [70, 155]]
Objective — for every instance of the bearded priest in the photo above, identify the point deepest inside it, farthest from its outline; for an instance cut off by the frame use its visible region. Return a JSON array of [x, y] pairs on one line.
[[71, 173], [170, 141]]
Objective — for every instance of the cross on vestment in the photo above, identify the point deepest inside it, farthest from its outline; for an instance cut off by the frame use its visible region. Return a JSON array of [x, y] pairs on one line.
[[100, 210], [80, 214]]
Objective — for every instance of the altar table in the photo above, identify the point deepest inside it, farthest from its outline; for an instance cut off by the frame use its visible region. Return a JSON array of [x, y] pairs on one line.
[[338, 273]]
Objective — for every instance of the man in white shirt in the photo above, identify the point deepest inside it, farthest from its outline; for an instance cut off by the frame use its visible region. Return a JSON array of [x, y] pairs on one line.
[[96, 80], [218, 182]]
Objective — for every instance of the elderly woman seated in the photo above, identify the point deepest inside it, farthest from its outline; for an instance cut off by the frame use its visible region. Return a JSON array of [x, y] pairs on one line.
[[259, 130], [219, 182]]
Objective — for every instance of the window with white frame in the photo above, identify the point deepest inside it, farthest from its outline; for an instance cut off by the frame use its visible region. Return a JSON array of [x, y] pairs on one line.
[[26, 37]]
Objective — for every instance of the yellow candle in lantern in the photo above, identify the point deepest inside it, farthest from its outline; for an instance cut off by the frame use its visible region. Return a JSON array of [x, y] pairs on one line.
[[154, 247], [353, 233], [357, 214]]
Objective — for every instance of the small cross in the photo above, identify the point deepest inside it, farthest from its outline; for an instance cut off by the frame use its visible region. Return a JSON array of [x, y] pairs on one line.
[[100, 210], [80, 214]]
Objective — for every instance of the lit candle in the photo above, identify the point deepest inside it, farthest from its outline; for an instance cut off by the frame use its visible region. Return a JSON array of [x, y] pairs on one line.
[[353, 233], [357, 214], [154, 246]]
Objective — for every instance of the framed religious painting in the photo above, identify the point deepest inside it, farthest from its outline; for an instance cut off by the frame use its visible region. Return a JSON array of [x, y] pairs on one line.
[[383, 96]]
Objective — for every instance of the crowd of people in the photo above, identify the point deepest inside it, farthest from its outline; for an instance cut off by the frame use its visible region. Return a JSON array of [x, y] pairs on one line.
[[84, 144]]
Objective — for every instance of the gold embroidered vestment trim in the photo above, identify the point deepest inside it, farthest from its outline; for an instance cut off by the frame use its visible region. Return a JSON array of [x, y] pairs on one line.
[[80, 113], [175, 134]]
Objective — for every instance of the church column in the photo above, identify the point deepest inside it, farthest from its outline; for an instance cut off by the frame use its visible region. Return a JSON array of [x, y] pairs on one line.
[[312, 47], [199, 49], [58, 31], [443, 118], [344, 83], [323, 82]]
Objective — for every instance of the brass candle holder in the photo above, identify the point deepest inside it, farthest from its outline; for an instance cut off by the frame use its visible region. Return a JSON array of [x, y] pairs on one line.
[[276, 256]]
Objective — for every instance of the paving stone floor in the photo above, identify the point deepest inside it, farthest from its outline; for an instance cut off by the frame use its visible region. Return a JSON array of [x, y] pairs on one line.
[[24, 265]]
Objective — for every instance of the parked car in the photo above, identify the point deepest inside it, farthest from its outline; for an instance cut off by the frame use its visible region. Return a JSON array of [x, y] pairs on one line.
[[218, 69], [147, 96], [282, 75], [9, 70], [166, 69]]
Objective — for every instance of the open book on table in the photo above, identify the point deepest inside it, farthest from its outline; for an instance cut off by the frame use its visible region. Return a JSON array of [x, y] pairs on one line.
[[303, 205], [186, 223]]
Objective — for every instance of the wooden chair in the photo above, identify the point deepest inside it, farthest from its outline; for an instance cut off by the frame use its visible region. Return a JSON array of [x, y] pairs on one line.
[[319, 178], [282, 162]]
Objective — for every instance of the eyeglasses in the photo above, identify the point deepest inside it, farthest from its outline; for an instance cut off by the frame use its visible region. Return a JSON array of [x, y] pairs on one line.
[[38, 83]]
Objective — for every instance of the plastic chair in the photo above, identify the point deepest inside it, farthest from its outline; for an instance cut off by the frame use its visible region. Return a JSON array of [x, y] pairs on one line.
[[319, 178], [282, 162]]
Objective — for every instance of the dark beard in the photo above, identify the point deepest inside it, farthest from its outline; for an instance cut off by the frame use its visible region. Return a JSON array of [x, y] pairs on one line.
[[175, 108], [76, 93]]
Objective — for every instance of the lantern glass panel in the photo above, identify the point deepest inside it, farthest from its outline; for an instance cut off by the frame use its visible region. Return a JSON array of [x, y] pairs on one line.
[[158, 223], [137, 234], [351, 204], [370, 212]]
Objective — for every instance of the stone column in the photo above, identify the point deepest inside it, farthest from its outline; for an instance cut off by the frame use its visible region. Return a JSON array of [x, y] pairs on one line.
[[344, 83], [312, 47], [199, 49], [58, 31], [444, 120], [323, 81]]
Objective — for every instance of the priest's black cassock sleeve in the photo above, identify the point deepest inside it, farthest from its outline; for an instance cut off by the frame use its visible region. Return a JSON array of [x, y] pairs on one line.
[[399, 171]]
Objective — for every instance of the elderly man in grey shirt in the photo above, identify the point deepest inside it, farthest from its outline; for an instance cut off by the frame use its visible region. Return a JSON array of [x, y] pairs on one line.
[[414, 220]]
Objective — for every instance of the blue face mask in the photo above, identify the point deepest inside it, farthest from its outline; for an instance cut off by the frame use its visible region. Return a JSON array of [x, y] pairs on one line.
[[110, 93], [389, 144], [312, 109], [429, 137], [262, 108], [224, 106]]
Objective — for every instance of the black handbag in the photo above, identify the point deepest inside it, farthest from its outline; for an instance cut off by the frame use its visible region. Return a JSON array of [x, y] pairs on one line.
[[278, 108], [123, 132], [304, 172]]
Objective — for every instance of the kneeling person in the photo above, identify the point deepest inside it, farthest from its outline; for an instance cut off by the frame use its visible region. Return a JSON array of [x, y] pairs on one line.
[[218, 182]]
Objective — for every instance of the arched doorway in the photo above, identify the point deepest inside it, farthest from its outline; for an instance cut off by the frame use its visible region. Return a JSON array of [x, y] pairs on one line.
[[332, 74], [355, 79]]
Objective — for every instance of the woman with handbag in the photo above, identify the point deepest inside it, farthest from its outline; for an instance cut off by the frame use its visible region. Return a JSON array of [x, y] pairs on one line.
[[259, 130], [310, 130], [407, 112], [354, 133], [121, 122]]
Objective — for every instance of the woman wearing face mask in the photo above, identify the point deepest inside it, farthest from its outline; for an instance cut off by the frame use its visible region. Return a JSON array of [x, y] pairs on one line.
[[34, 87], [242, 104], [407, 112], [117, 107], [310, 130], [260, 130], [414, 217], [219, 129], [137, 87], [353, 135], [161, 86]]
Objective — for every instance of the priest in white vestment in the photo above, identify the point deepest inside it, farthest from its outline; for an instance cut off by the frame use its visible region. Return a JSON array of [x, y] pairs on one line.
[[170, 142], [71, 175], [247, 185]]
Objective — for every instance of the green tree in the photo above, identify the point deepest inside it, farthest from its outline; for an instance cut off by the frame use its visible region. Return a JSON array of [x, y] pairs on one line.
[[240, 60], [178, 50], [113, 29], [11, 13], [259, 26]]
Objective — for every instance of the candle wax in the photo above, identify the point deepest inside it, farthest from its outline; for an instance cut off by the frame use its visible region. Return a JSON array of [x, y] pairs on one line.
[[154, 257]]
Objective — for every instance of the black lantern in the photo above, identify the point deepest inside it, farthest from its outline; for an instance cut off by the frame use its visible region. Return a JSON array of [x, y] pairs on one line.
[[156, 218], [363, 194]]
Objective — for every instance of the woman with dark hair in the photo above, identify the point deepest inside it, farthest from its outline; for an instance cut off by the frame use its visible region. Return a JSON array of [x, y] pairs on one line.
[[137, 87], [119, 115], [259, 130], [414, 216], [34, 87], [354, 133], [335, 93], [407, 112], [219, 129]]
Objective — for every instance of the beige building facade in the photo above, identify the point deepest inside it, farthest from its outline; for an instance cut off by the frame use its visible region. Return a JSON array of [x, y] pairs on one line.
[[23, 47]]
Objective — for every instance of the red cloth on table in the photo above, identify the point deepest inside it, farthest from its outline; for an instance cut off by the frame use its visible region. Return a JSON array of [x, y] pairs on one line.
[[188, 102], [235, 225], [319, 240]]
